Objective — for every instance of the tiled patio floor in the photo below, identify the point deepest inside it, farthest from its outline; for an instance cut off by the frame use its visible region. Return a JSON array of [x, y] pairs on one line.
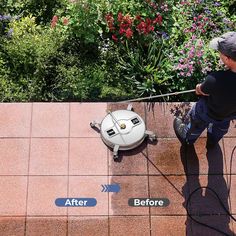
[[49, 151]]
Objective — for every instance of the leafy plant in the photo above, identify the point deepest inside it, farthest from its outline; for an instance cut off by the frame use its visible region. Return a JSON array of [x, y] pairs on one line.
[[144, 67]]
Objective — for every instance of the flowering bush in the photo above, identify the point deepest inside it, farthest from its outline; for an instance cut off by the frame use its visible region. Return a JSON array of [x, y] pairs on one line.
[[138, 35], [195, 23], [123, 27]]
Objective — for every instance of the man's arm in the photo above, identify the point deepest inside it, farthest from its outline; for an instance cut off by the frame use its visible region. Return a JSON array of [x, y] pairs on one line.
[[199, 91]]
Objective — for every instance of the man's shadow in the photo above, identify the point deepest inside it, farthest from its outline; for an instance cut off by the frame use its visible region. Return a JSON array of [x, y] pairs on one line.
[[204, 205]]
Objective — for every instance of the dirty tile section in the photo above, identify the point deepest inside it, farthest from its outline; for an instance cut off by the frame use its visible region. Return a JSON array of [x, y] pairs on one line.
[[88, 226], [170, 225], [135, 225], [163, 159], [12, 226], [131, 187], [49, 151], [41, 226]]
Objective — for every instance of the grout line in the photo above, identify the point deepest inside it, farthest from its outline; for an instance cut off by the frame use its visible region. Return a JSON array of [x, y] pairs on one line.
[[28, 171], [108, 192], [108, 171], [141, 215], [68, 171], [108, 200], [119, 175], [89, 137], [149, 195], [148, 177], [227, 176]]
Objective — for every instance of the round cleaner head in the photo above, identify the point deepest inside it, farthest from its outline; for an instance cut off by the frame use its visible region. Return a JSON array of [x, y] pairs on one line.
[[124, 128]]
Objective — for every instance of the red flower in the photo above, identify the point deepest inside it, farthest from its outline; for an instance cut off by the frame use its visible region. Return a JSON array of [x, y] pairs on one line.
[[129, 33], [120, 17], [127, 19], [110, 21], [148, 21], [149, 28], [114, 38], [141, 27], [138, 17], [122, 31], [158, 20]]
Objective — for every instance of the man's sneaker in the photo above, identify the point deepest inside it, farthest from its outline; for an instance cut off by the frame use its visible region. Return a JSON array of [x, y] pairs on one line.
[[180, 130]]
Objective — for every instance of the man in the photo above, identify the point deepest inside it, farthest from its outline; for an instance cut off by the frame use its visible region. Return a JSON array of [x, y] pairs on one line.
[[217, 105]]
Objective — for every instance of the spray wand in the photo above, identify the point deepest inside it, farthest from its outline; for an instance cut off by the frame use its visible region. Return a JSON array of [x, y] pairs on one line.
[[158, 96]]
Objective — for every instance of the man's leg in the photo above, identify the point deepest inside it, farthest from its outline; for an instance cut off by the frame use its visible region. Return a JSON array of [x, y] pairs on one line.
[[216, 131], [189, 132], [196, 128]]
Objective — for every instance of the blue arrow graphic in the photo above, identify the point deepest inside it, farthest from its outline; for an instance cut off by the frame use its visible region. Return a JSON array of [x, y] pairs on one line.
[[115, 188]]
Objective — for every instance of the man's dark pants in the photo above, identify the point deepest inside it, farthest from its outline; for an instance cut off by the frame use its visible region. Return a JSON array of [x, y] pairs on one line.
[[200, 121]]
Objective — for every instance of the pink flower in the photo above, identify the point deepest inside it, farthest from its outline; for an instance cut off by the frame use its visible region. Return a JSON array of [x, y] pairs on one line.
[[54, 21], [65, 21]]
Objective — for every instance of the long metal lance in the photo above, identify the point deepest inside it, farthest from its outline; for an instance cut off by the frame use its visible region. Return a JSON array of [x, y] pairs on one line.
[[157, 96]]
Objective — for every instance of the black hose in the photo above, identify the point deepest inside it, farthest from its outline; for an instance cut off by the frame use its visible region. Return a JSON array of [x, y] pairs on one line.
[[220, 201]]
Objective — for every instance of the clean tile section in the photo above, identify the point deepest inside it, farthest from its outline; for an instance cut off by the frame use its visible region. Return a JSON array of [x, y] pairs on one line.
[[42, 193], [88, 156], [81, 114], [50, 120], [13, 195], [49, 156], [15, 119], [14, 156], [88, 187]]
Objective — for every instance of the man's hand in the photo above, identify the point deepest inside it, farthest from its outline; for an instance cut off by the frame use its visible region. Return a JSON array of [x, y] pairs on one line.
[[199, 91]]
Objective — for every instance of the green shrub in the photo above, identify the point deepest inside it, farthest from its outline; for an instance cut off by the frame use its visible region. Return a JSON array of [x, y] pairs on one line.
[[26, 56], [42, 10]]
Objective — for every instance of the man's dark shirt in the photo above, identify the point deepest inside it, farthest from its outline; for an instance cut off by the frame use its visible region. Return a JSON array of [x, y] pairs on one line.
[[221, 86]]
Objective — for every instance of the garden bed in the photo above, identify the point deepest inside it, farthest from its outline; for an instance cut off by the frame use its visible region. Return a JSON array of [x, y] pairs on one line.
[[104, 50]]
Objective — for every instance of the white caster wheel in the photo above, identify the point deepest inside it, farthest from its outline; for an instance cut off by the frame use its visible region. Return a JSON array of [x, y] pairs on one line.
[[153, 138]]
